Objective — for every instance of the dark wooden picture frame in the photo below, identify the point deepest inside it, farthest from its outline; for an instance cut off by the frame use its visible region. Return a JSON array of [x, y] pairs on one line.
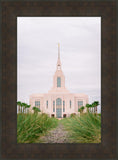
[[107, 12]]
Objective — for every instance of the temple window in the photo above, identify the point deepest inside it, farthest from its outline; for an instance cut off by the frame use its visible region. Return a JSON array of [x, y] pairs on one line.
[[80, 103], [63, 106], [70, 103], [47, 104], [58, 82], [58, 102], [53, 109], [53, 106], [37, 103]]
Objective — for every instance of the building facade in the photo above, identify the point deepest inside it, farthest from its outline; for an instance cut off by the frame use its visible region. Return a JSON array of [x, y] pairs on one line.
[[58, 102]]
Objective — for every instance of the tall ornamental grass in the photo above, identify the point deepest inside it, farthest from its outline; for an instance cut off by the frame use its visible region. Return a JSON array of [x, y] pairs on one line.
[[32, 126], [84, 129]]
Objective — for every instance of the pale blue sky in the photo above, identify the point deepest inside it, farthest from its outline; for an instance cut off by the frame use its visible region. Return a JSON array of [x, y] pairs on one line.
[[37, 51]]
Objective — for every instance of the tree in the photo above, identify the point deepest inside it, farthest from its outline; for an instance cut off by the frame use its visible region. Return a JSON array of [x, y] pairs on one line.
[[90, 106], [81, 109], [87, 106], [36, 110], [24, 106], [28, 106], [95, 104], [19, 105]]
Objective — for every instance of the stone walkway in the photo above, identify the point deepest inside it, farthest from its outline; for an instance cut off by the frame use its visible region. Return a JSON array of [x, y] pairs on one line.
[[57, 135]]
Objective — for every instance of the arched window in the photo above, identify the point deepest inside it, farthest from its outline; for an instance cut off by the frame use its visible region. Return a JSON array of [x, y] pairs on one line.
[[58, 101], [58, 81]]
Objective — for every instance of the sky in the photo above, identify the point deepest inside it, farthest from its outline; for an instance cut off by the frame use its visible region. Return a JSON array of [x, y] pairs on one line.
[[80, 53]]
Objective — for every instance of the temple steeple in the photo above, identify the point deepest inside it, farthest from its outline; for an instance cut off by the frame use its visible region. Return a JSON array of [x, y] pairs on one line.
[[58, 61], [58, 51], [59, 78]]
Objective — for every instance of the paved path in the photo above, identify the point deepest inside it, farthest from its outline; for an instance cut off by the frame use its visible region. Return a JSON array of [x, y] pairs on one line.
[[57, 135]]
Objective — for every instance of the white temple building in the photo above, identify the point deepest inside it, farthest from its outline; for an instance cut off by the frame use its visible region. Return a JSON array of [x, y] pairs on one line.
[[58, 102]]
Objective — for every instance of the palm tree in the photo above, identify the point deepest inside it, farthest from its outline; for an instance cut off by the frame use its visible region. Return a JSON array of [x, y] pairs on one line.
[[90, 106], [28, 106], [87, 106], [93, 105], [82, 108], [19, 105], [36, 110], [96, 104], [24, 106]]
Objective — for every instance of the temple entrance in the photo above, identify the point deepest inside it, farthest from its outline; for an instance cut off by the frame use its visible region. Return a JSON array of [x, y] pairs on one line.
[[58, 108]]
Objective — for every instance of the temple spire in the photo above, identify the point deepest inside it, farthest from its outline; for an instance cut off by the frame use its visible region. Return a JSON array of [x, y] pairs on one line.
[[58, 51], [58, 61]]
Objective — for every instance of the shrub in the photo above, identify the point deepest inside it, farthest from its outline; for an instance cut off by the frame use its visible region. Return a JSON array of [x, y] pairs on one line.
[[36, 110], [81, 109], [73, 115]]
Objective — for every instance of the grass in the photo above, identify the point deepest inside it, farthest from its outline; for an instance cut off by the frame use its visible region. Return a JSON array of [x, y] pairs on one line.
[[31, 126], [84, 129]]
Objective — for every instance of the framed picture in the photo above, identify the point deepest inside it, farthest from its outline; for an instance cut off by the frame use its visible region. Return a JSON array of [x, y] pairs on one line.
[[39, 38], [62, 82]]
